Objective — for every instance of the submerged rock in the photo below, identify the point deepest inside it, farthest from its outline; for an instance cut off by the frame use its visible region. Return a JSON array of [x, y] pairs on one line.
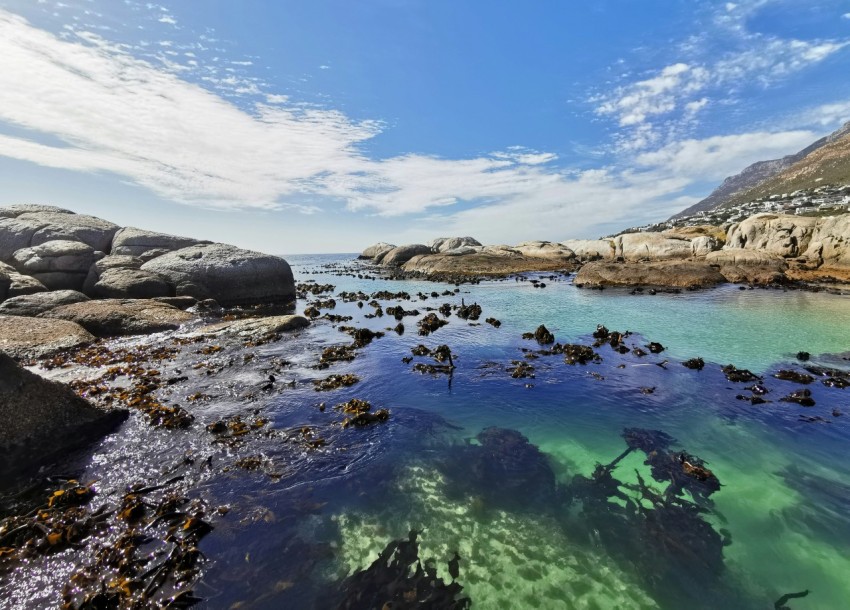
[[42, 419]]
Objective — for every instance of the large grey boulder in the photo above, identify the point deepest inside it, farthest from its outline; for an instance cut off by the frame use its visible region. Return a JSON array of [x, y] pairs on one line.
[[43, 419], [16, 209], [131, 241], [230, 275], [24, 337], [544, 249], [377, 250], [38, 303], [20, 284], [111, 317], [35, 228], [651, 246], [442, 244], [780, 234], [58, 264], [591, 249], [121, 277], [401, 254], [5, 282]]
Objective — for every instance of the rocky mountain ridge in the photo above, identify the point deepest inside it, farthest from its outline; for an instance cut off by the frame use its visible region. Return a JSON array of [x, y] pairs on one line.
[[825, 161]]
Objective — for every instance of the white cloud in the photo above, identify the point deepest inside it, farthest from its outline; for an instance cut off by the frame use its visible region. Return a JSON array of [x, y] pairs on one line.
[[662, 106], [167, 19], [113, 112], [846, 16]]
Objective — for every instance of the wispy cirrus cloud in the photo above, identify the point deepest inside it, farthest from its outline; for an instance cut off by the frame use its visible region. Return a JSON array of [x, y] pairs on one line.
[[657, 108]]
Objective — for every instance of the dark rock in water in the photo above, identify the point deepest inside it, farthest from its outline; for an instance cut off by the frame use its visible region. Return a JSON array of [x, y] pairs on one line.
[[696, 364], [794, 376], [638, 352], [600, 333], [312, 312], [429, 324], [493, 322], [836, 382], [579, 354], [396, 580], [752, 399], [758, 389], [655, 348], [739, 375], [362, 336], [420, 350], [803, 356], [543, 336], [43, 419], [801, 397], [521, 370], [399, 328], [469, 312], [503, 470]]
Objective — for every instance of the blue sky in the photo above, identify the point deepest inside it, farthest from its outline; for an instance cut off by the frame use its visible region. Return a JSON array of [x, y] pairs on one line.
[[324, 126]]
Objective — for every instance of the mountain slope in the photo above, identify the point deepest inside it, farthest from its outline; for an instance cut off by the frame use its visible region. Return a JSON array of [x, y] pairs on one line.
[[768, 177]]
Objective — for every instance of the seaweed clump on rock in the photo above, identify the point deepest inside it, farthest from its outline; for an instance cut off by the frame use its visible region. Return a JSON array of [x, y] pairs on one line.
[[399, 580]]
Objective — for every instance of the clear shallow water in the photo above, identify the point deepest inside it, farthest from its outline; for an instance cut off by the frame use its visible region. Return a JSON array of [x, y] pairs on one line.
[[285, 543]]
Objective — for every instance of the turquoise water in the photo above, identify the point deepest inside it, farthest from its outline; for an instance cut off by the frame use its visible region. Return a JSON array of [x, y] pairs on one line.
[[778, 523]]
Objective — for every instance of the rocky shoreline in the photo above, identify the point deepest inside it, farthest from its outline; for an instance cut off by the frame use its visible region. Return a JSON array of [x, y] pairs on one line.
[[763, 250]]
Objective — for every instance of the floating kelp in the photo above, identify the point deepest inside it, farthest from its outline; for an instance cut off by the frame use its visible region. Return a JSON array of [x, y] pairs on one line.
[[336, 353], [312, 312], [398, 580], [421, 350], [695, 364], [362, 336], [429, 324], [493, 322], [794, 376], [503, 470], [739, 375], [399, 312], [334, 382], [579, 354], [521, 370], [312, 288], [801, 397], [232, 430], [360, 413]]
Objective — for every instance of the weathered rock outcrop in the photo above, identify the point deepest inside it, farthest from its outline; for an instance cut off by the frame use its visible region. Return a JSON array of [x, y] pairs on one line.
[[16, 209], [230, 275], [376, 251], [482, 263], [441, 244], [591, 249], [544, 249], [651, 246], [35, 228], [658, 274], [43, 419], [401, 254], [749, 266], [24, 337], [253, 327], [19, 284], [36, 304], [131, 241], [830, 242], [58, 264], [779, 234], [121, 277], [110, 317]]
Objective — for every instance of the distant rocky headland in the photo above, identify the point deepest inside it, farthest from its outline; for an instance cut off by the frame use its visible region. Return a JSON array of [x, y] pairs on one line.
[[763, 249]]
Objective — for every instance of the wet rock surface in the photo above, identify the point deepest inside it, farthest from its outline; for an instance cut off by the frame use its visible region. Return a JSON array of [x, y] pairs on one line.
[[25, 338], [111, 317], [44, 418]]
